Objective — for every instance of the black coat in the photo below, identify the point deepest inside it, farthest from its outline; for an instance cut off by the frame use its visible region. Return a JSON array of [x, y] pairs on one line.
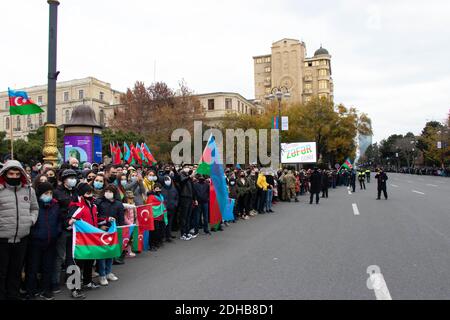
[[316, 182], [202, 191], [48, 224], [64, 197], [107, 209], [185, 186], [382, 178], [171, 197]]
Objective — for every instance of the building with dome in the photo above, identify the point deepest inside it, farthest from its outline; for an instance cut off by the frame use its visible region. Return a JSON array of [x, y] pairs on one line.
[[289, 66]]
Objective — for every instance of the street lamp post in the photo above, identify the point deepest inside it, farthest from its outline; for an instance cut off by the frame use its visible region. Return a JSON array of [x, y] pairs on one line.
[[279, 93], [442, 145], [50, 150]]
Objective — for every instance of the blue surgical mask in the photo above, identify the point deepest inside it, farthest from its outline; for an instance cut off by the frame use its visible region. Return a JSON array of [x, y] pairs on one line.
[[134, 178], [98, 185], [46, 198], [123, 183], [72, 182]]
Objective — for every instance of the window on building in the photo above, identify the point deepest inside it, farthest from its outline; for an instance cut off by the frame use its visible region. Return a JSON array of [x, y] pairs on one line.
[[7, 123], [80, 94], [66, 96], [67, 116], [228, 104], [101, 95], [210, 104], [267, 59], [246, 110], [323, 62], [259, 60], [268, 90], [267, 69], [323, 84], [102, 117], [239, 104], [29, 121], [323, 72], [40, 119], [308, 86], [6, 104], [39, 100], [18, 123]]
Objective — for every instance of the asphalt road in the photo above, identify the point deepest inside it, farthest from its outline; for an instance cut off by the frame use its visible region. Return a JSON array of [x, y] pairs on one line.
[[309, 251]]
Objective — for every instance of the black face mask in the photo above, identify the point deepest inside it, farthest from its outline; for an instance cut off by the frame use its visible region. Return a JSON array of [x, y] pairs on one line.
[[95, 171], [190, 172], [52, 180], [13, 181], [112, 179]]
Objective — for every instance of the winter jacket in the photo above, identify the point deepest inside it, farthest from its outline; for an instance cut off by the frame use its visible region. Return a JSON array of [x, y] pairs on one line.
[[243, 188], [233, 190], [81, 210], [138, 190], [381, 179], [110, 209], [64, 197], [316, 182], [186, 188], [18, 206], [261, 182], [171, 197], [202, 191], [48, 224]]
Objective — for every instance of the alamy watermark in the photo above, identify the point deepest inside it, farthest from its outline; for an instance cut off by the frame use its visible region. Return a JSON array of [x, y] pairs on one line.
[[257, 145]]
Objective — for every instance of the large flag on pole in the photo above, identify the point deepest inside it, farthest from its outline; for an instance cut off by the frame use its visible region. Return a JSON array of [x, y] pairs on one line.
[[127, 153], [20, 104], [147, 153], [347, 164], [210, 164], [91, 243]]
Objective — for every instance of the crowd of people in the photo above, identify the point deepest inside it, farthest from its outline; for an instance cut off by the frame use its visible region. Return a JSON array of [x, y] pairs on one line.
[[40, 203]]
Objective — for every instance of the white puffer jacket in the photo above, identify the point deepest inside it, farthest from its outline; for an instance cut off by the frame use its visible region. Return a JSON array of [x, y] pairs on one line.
[[19, 208]]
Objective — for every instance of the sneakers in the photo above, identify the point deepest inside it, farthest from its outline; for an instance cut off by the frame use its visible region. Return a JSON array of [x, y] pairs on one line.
[[47, 296], [94, 274], [185, 237], [271, 211], [192, 231], [91, 286], [246, 218], [193, 235], [112, 277], [77, 294], [226, 223], [56, 290], [103, 281], [131, 254]]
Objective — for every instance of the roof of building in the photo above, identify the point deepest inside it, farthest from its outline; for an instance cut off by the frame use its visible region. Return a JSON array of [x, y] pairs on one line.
[[321, 51], [222, 94]]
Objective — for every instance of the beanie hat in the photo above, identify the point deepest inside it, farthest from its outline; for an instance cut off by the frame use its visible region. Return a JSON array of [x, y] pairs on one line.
[[84, 188], [68, 173], [43, 188]]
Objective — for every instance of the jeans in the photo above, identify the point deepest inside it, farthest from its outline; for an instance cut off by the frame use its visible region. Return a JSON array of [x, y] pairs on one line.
[[185, 215], [104, 267], [203, 211], [312, 197], [63, 245], [269, 199], [262, 195], [168, 229], [195, 219], [40, 259], [12, 256]]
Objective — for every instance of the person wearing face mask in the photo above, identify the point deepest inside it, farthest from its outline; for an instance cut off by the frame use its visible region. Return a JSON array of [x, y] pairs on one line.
[[19, 212], [94, 168], [252, 179], [98, 185], [171, 200], [136, 185], [88, 176], [111, 174], [233, 192], [40, 178], [243, 196], [201, 188], [51, 176], [36, 169], [109, 209], [86, 210], [122, 183], [65, 193], [41, 254], [149, 181], [188, 199]]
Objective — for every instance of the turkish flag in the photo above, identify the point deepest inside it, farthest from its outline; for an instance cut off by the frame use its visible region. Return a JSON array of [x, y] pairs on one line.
[[145, 217]]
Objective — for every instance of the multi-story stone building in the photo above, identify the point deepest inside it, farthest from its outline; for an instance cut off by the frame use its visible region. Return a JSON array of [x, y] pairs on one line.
[[288, 66], [217, 105], [69, 94]]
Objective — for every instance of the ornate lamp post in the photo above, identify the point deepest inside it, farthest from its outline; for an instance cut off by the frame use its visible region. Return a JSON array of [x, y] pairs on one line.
[[50, 150], [279, 93]]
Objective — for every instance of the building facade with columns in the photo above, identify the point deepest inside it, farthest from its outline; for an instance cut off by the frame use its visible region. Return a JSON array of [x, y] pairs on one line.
[[89, 91], [289, 66]]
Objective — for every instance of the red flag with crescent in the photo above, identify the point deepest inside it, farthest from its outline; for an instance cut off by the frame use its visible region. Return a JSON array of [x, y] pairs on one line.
[[145, 218]]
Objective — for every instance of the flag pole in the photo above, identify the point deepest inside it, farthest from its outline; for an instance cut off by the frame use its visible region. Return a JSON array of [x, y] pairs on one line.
[[12, 138]]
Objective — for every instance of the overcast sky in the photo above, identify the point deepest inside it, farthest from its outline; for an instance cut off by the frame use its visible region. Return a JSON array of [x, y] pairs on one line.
[[389, 58]]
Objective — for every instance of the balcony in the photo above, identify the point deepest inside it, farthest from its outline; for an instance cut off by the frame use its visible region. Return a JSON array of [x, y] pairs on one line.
[[308, 78], [307, 91]]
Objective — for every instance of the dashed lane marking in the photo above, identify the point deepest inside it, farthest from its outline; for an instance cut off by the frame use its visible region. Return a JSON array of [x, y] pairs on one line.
[[415, 191], [355, 209]]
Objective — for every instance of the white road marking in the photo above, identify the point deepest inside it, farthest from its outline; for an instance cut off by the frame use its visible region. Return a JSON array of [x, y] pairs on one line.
[[377, 283], [355, 209], [417, 192], [394, 185], [431, 185]]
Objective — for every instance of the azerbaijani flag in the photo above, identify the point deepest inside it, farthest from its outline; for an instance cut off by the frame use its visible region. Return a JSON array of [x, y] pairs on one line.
[[158, 208], [347, 164], [275, 123], [135, 154], [127, 153], [125, 234], [229, 215], [147, 153], [91, 243], [20, 104], [211, 165]]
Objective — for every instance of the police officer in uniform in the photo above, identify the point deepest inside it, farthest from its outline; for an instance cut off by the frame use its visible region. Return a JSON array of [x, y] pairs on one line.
[[381, 179], [361, 178]]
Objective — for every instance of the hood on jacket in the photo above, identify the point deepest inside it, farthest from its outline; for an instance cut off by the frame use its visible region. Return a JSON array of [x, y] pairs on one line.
[[167, 178], [13, 164]]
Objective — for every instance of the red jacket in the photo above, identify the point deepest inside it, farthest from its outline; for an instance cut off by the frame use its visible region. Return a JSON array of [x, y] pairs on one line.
[[81, 211]]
